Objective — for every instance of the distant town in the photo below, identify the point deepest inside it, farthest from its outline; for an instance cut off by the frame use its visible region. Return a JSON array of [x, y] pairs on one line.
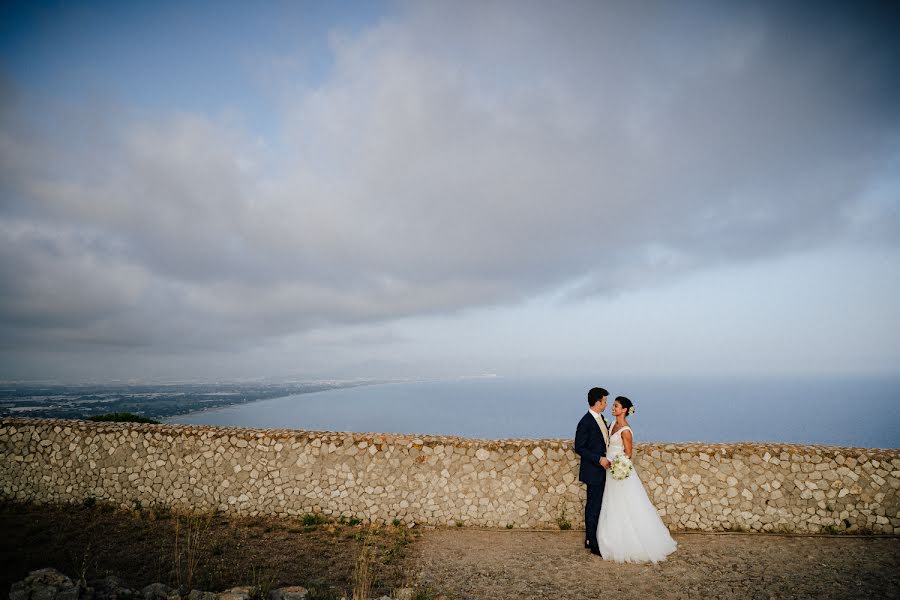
[[156, 401]]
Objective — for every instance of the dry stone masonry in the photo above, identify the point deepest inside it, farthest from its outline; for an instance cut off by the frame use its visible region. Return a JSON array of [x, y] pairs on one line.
[[441, 480], [50, 584]]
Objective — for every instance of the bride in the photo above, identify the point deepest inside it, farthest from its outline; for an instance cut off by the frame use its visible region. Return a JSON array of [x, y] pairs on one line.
[[629, 530]]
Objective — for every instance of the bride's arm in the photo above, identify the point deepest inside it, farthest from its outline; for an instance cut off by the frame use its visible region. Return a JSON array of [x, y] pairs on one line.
[[626, 439]]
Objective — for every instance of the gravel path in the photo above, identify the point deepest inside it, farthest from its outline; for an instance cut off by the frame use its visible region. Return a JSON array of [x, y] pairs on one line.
[[498, 565]]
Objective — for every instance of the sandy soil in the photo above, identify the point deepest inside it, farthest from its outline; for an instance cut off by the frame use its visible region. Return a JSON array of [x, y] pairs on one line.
[[461, 564], [497, 565]]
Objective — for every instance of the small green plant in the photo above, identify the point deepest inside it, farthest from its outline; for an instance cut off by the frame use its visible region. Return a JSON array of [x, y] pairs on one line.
[[90, 502], [831, 530], [354, 521], [123, 417], [396, 522], [459, 523], [784, 528], [310, 519], [161, 512], [509, 525], [562, 521]]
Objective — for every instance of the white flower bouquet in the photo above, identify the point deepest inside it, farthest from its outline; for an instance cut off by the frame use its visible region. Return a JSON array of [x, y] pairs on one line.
[[620, 468]]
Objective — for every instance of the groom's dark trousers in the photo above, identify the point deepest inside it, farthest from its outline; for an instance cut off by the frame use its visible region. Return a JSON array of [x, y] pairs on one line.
[[590, 446]]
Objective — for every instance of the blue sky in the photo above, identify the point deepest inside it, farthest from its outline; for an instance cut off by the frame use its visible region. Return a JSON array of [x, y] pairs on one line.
[[220, 190], [205, 57]]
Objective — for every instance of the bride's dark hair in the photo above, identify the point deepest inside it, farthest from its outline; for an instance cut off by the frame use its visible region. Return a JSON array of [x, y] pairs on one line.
[[627, 404]]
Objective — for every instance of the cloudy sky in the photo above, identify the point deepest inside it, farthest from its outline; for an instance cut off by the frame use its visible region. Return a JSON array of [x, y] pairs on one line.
[[229, 190]]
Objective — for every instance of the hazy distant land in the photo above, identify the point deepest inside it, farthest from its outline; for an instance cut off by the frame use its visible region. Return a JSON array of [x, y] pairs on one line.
[[810, 410], [150, 400]]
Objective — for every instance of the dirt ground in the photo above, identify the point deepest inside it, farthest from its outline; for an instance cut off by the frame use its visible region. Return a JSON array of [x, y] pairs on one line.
[[152, 545], [479, 564], [147, 546]]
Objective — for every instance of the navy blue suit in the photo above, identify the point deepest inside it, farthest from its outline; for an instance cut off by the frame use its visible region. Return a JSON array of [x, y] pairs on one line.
[[591, 446]]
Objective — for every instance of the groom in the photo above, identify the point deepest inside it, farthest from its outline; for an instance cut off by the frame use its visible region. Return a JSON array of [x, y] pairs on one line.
[[591, 440]]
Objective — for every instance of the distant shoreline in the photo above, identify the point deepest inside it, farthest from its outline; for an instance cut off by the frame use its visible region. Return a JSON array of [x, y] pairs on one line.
[[716, 411], [164, 401]]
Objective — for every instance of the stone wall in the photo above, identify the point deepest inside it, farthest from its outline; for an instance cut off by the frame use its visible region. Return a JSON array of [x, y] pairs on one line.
[[441, 480]]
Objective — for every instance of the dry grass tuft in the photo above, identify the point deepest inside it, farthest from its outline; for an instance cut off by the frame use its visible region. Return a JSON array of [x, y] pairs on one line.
[[363, 573]]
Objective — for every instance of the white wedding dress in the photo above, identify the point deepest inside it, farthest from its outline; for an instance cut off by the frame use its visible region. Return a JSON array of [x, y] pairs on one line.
[[630, 530]]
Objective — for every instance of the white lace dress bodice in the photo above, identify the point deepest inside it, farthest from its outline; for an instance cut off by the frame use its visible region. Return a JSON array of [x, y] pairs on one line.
[[630, 529], [616, 445]]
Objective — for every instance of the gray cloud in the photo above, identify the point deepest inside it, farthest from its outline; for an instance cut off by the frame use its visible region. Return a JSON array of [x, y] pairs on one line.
[[458, 155]]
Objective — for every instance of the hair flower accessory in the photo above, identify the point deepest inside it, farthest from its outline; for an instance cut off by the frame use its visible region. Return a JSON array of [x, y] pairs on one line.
[[630, 411]]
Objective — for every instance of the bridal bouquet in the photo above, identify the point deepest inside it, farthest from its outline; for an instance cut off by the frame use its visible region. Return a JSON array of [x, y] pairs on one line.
[[620, 468]]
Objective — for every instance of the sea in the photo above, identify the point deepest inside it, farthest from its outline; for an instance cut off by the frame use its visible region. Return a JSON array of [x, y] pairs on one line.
[[839, 411]]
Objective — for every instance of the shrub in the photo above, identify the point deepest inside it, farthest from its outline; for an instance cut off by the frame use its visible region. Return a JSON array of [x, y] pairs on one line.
[[123, 417], [311, 519]]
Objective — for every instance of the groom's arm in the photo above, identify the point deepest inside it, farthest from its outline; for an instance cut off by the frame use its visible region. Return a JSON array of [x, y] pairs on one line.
[[581, 444]]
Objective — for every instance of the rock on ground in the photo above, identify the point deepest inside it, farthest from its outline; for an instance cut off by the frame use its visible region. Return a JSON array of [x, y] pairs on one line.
[[50, 584]]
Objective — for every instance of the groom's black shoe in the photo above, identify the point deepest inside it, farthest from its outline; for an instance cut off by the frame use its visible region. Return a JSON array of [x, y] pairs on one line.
[[596, 553]]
